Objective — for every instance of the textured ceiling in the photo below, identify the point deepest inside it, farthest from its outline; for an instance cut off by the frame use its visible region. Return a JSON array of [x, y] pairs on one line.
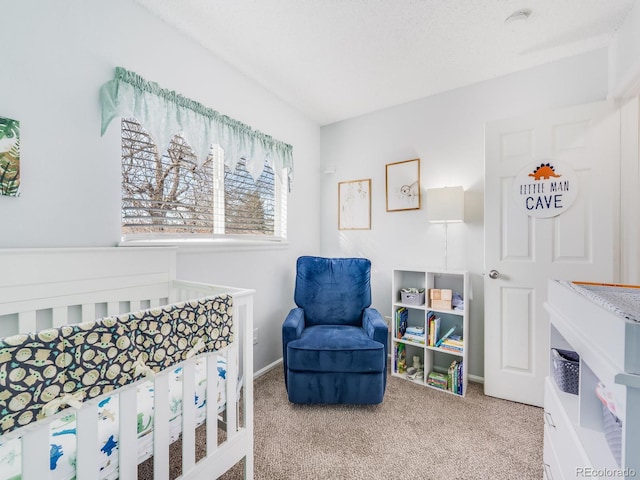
[[337, 59]]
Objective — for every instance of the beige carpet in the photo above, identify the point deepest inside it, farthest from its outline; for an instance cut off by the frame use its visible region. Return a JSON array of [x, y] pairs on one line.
[[416, 433]]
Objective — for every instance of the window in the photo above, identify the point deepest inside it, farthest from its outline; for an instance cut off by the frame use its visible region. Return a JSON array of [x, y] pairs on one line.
[[168, 194], [218, 178]]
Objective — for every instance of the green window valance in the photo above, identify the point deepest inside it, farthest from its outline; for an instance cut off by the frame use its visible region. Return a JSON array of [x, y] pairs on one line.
[[165, 113]]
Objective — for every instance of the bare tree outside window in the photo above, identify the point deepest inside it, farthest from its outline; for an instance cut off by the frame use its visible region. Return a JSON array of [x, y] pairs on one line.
[[168, 193], [249, 203]]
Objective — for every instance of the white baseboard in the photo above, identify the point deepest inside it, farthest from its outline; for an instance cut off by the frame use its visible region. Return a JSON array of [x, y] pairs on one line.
[[268, 368]]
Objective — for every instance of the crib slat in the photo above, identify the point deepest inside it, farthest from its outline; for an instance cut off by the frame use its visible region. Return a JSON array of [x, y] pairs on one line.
[[161, 426], [87, 456], [88, 312], [188, 416], [59, 317], [134, 305], [212, 403], [35, 454], [127, 460], [246, 320], [27, 321], [231, 385], [113, 308]]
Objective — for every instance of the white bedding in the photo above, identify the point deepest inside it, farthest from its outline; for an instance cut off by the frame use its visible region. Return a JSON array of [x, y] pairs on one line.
[[63, 430]]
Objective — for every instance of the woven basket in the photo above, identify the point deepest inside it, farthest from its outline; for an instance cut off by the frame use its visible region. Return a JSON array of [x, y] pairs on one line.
[[412, 298], [566, 370]]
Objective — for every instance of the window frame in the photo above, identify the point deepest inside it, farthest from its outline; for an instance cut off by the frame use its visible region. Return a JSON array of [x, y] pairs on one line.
[[216, 238]]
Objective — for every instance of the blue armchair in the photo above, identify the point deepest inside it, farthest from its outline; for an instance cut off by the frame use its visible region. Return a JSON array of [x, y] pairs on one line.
[[334, 345]]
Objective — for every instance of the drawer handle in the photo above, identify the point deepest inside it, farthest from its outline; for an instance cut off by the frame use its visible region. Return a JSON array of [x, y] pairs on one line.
[[547, 472], [549, 420]]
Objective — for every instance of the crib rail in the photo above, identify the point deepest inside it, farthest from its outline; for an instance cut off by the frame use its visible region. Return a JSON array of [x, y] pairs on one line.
[[184, 290], [49, 288], [73, 302]]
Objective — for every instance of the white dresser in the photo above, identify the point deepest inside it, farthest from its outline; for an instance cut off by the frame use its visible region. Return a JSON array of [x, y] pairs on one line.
[[609, 347]]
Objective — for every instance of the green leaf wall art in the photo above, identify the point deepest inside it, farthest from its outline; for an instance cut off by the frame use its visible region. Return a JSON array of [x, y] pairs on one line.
[[9, 157]]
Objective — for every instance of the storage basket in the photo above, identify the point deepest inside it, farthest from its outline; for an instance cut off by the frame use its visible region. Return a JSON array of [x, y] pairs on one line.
[[566, 370], [612, 426], [412, 296]]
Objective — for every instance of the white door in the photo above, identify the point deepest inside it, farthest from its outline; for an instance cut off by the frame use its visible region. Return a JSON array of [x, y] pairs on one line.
[[524, 252]]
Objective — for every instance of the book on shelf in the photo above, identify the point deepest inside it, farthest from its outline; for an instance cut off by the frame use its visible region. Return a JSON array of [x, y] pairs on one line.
[[413, 338], [458, 350], [453, 345], [438, 380], [454, 377], [400, 364], [445, 336], [415, 330], [434, 329], [402, 317]]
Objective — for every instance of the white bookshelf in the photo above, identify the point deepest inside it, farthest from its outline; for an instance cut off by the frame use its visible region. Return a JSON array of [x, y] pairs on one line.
[[432, 358]]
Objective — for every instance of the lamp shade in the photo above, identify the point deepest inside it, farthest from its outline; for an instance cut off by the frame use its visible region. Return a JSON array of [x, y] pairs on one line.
[[445, 205]]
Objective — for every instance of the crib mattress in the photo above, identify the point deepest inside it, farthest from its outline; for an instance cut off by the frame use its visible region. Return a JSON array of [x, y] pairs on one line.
[[63, 440]]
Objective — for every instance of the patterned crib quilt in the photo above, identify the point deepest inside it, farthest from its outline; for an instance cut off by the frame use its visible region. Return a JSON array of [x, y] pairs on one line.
[[63, 440]]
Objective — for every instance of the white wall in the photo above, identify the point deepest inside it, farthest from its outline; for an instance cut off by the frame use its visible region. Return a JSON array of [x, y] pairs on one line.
[[630, 191], [56, 57], [624, 87], [446, 132], [624, 56]]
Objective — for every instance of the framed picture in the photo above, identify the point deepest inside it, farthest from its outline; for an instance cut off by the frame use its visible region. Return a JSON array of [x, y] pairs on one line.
[[9, 157], [354, 205], [403, 185]]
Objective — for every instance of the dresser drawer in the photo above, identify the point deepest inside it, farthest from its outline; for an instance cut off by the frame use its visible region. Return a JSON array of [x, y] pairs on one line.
[[551, 464], [560, 434]]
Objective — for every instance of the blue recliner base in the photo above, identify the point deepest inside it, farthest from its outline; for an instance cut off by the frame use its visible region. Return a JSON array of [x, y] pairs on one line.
[[335, 387]]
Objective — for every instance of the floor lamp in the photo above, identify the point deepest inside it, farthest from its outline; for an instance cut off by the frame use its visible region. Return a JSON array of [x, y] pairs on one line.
[[445, 205]]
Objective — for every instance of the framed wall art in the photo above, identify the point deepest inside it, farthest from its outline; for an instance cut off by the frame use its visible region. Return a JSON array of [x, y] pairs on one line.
[[403, 185], [354, 205], [9, 157]]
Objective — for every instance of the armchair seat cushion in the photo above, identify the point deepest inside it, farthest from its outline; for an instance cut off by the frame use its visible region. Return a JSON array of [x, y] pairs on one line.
[[335, 348]]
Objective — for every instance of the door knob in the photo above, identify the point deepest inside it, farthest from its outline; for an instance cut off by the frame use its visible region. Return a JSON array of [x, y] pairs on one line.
[[493, 274]]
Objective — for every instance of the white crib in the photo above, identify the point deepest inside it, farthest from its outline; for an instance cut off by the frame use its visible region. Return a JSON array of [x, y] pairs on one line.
[[48, 288]]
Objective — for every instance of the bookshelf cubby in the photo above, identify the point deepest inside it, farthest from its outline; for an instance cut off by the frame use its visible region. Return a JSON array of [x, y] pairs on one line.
[[408, 319]]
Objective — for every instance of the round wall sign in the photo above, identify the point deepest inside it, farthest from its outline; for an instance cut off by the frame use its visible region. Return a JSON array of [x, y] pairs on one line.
[[545, 188]]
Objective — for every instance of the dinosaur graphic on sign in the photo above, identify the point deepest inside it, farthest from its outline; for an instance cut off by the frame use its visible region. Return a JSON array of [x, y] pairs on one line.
[[544, 171]]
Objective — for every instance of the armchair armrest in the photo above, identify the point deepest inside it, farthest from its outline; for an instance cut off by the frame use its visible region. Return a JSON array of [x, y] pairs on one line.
[[376, 327], [293, 325], [291, 330]]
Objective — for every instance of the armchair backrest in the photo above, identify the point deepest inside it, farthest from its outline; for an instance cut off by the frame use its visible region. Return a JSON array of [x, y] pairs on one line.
[[333, 291]]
